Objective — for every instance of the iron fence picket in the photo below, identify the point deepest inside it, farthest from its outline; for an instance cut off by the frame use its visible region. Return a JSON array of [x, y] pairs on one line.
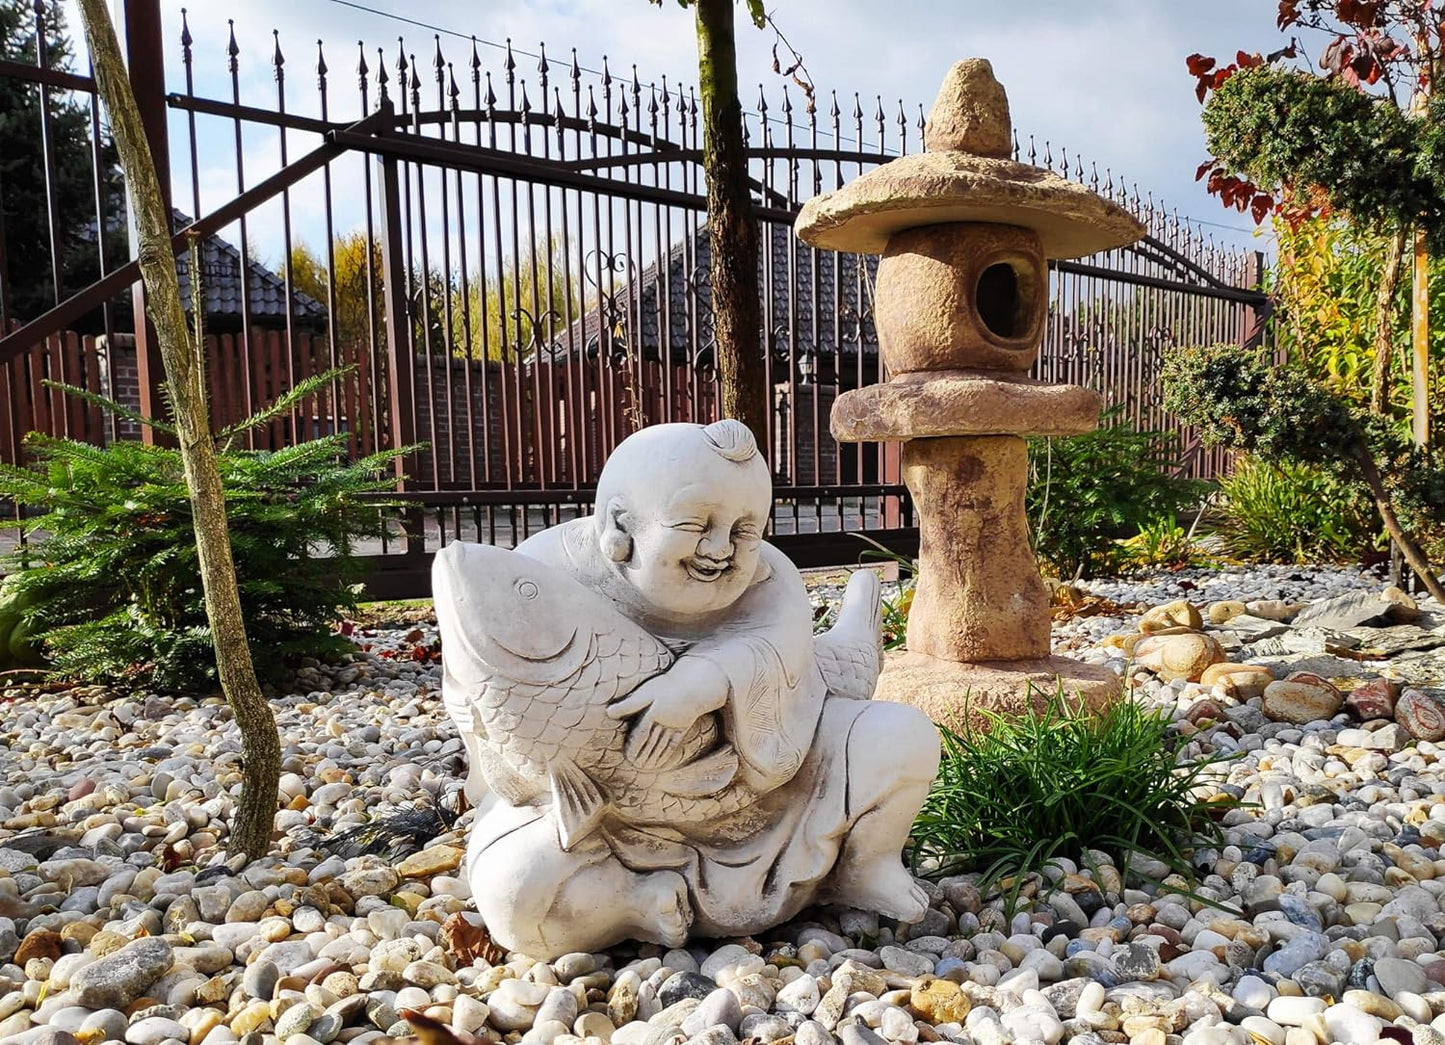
[[536, 285]]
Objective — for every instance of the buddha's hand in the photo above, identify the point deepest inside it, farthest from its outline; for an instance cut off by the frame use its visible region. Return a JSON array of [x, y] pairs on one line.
[[670, 704]]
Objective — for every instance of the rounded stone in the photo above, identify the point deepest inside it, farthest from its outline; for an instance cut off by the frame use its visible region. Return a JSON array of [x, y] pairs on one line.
[[1301, 698], [1224, 611], [1421, 715], [1178, 656], [1178, 614], [259, 979], [1373, 699], [1244, 680]]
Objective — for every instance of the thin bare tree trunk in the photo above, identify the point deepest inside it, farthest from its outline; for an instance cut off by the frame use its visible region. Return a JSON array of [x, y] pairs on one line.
[[1385, 320], [185, 378], [732, 232], [1420, 341], [1403, 540]]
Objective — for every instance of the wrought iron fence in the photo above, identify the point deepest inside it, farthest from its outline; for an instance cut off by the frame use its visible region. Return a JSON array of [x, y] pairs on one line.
[[509, 250]]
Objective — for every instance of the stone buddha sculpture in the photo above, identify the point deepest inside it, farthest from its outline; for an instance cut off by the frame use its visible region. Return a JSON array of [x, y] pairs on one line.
[[659, 745]]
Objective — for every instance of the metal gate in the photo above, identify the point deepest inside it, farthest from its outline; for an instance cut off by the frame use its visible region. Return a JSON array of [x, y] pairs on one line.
[[509, 250]]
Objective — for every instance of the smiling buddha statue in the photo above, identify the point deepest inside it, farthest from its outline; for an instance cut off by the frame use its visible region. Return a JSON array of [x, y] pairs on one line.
[[659, 745]]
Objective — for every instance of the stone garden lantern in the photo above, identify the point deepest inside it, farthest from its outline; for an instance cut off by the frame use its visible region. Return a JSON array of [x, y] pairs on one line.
[[961, 298]]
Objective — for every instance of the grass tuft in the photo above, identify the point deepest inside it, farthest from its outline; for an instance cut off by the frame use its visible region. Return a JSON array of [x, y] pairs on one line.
[[1008, 803]]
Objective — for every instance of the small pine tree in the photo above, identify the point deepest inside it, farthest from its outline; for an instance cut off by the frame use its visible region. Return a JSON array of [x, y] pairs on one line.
[[112, 578]]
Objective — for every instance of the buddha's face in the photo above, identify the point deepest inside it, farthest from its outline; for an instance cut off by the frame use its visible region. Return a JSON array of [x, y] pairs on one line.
[[695, 547]]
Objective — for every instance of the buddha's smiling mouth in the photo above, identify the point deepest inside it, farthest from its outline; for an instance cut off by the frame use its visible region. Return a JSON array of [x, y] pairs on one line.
[[707, 570]]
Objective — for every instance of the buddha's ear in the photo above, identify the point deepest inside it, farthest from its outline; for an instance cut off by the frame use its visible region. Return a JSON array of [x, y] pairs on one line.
[[615, 540]]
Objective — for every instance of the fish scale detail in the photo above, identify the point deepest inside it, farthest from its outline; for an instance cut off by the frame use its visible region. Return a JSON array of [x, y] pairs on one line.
[[534, 660]]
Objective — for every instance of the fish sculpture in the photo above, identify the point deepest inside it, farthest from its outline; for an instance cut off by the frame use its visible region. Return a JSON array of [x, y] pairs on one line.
[[532, 660]]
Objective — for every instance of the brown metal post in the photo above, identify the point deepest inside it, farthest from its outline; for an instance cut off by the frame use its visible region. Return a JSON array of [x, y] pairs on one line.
[[139, 24], [400, 361]]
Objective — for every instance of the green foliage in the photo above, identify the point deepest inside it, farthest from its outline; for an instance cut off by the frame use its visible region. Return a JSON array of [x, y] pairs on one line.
[[112, 570], [1292, 513], [1279, 126], [23, 210], [17, 646], [531, 302], [1239, 399], [894, 609], [756, 11], [1160, 544], [1087, 490], [1057, 782]]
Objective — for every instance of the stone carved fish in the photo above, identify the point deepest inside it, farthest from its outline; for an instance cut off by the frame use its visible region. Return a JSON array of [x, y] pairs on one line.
[[531, 661], [850, 654]]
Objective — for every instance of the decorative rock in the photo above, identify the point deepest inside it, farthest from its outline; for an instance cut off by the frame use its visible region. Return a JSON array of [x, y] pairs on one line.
[[295, 1020], [1421, 715], [1181, 656], [514, 1004], [154, 1030], [1373, 699], [105, 1025], [1178, 614], [1245, 680], [908, 963], [370, 881], [1403, 609], [1224, 612], [1274, 609], [119, 978], [42, 943], [590, 1025], [1294, 1012], [259, 980], [1350, 1026], [720, 1008], [684, 985], [1354, 609], [1302, 697], [1398, 976], [938, 1001], [434, 861], [800, 996]]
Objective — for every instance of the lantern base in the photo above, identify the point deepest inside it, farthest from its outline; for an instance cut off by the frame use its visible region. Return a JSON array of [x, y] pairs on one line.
[[954, 694]]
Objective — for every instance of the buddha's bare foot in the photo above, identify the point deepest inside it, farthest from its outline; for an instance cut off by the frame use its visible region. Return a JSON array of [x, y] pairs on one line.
[[884, 886], [662, 903]]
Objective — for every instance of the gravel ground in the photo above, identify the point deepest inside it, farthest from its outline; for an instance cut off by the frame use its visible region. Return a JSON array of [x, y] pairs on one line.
[[121, 920]]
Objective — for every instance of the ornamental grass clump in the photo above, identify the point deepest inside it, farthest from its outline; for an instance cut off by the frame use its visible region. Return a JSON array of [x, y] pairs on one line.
[[1292, 513], [110, 576], [1012, 800]]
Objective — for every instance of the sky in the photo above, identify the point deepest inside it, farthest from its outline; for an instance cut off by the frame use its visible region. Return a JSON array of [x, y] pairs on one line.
[[1104, 77]]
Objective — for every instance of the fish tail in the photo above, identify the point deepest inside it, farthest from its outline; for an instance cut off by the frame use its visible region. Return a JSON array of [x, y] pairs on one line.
[[580, 803]]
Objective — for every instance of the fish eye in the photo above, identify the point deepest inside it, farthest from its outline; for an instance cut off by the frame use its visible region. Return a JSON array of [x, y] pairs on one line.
[[527, 589]]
